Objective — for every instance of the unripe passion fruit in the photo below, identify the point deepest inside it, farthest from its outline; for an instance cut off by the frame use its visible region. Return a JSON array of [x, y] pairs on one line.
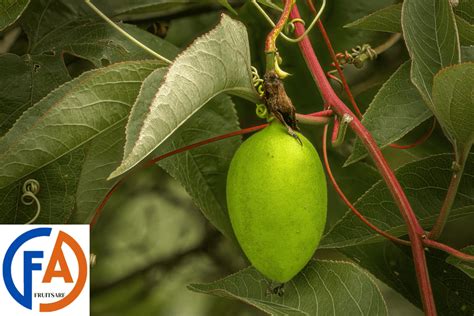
[[277, 201]]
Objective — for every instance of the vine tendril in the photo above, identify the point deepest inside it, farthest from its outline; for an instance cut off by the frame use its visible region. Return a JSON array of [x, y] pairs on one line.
[[292, 22], [30, 189], [261, 110]]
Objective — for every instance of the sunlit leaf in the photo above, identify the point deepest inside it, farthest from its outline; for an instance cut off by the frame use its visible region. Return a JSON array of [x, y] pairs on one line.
[[216, 62]]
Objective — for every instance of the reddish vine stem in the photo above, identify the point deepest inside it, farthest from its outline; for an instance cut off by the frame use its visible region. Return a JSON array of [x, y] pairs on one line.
[[454, 252], [346, 200], [415, 231]]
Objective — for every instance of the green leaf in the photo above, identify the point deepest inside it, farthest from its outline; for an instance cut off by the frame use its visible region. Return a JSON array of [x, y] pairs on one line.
[[63, 26], [100, 43], [216, 62], [71, 187], [467, 53], [425, 183], [103, 154], [203, 171], [464, 266], [57, 190], [466, 31], [431, 37], [227, 5], [389, 20], [10, 11], [393, 265], [453, 98], [270, 4], [396, 110], [465, 9], [24, 81], [323, 287], [384, 20], [132, 10], [70, 116]]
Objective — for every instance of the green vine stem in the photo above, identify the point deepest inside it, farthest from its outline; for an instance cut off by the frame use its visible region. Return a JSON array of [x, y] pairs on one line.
[[122, 31], [458, 168]]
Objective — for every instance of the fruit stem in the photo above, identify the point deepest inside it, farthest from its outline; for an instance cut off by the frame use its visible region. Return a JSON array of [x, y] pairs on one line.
[[415, 231]]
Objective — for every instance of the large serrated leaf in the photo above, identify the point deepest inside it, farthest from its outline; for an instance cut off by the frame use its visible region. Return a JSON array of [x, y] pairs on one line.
[[396, 110], [393, 265], [425, 183], [24, 81], [70, 116], [203, 171], [215, 63], [432, 40], [57, 182], [453, 97], [10, 11], [322, 288], [103, 154], [464, 266]]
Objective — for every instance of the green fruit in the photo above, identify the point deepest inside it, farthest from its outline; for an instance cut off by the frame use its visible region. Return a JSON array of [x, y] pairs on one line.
[[277, 201]]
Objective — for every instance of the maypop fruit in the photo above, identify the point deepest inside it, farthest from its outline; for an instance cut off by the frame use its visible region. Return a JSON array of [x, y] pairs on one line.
[[277, 201]]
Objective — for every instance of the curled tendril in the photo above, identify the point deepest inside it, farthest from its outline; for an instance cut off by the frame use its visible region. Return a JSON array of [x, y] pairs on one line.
[[290, 26], [30, 189], [358, 57], [262, 111], [257, 81]]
